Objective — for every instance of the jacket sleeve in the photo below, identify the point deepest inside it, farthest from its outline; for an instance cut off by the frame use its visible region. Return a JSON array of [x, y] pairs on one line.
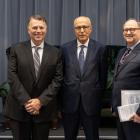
[[16, 86]]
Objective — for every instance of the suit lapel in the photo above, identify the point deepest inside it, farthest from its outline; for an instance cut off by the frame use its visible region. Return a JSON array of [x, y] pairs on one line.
[[89, 55], [73, 52], [45, 58], [28, 50], [129, 58]]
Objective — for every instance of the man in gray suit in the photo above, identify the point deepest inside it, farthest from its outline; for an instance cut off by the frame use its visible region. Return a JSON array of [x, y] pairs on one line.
[[127, 77], [35, 76], [85, 73]]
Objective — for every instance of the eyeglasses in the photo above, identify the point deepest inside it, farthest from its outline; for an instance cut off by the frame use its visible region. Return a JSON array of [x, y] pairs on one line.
[[132, 30], [82, 27]]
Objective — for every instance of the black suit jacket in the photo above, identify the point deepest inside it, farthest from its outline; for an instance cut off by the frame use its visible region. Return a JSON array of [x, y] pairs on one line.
[[24, 85], [126, 76], [89, 86]]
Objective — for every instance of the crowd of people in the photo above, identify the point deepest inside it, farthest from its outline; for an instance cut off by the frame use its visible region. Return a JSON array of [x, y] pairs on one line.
[[69, 81]]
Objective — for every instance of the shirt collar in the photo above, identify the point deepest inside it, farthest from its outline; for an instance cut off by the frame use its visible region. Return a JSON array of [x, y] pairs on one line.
[[132, 47], [85, 44], [41, 45]]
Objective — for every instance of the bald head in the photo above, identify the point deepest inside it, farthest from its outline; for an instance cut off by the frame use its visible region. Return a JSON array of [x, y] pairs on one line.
[[131, 23], [81, 19]]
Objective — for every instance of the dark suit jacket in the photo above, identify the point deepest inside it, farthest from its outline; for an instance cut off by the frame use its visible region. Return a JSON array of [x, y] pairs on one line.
[[89, 86], [127, 76], [24, 84]]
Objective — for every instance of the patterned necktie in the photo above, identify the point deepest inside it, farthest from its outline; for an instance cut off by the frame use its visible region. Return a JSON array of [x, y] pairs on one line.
[[81, 58], [125, 55], [36, 60]]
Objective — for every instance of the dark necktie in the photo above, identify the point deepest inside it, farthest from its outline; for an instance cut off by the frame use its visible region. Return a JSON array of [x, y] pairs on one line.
[[81, 58], [36, 60], [125, 55]]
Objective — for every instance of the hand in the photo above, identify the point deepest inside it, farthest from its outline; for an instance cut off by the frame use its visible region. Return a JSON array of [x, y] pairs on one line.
[[34, 113], [33, 106], [114, 114], [60, 115], [135, 118]]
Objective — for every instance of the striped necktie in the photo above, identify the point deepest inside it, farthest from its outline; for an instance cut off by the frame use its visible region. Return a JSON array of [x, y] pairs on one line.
[[36, 60], [81, 58], [125, 55]]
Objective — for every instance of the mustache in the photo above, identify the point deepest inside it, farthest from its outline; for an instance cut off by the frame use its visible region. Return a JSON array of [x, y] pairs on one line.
[[37, 33], [129, 35]]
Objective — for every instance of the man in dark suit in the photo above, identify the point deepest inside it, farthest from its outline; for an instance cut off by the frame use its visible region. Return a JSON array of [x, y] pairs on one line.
[[35, 76], [85, 72], [127, 77]]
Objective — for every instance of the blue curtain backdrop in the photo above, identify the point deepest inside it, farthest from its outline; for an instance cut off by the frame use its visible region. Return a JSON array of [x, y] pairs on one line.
[[107, 17]]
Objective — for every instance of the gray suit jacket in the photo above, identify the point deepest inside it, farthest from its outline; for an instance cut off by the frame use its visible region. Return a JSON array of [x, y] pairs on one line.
[[24, 85], [126, 76]]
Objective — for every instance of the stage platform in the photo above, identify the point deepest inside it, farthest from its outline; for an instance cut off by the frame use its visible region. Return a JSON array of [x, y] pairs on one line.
[[105, 134], [107, 131]]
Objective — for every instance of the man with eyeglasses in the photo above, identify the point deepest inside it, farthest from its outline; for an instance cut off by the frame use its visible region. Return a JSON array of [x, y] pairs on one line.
[[85, 73], [127, 77]]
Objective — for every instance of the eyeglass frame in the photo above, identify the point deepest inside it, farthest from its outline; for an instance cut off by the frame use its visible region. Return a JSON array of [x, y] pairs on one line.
[[132, 30], [78, 28]]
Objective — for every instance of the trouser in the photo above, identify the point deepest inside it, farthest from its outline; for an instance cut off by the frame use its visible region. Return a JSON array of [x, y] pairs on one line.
[[72, 122], [29, 130], [128, 130]]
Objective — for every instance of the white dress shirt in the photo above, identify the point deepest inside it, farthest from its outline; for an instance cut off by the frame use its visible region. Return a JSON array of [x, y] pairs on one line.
[[40, 50], [85, 49]]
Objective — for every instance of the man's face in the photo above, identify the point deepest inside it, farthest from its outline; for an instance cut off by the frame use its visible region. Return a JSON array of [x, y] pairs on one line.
[[37, 30], [131, 32], [83, 29]]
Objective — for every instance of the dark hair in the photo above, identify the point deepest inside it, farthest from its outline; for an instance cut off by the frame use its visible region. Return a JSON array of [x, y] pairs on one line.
[[37, 17]]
